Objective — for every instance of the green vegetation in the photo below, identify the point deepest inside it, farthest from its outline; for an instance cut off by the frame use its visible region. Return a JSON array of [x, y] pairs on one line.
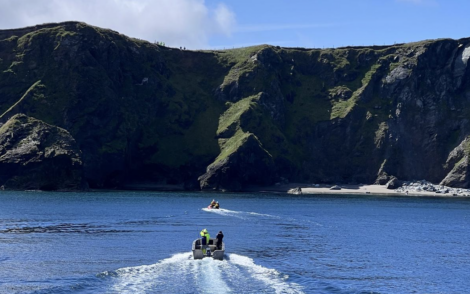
[[239, 55], [232, 145], [240, 60], [162, 109], [341, 108], [231, 117], [466, 150], [58, 33], [21, 99]]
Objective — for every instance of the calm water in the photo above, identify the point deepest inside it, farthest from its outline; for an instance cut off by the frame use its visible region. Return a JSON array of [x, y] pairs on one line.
[[140, 242]]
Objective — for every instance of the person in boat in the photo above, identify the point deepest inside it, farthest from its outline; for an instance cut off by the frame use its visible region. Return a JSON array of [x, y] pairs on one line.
[[217, 205], [213, 203], [205, 237], [218, 240]]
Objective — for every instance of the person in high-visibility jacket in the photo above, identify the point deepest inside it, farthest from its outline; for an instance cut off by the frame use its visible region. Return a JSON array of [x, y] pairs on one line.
[[204, 239]]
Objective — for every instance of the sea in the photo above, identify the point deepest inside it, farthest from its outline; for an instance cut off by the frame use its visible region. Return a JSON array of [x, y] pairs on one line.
[[140, 242]]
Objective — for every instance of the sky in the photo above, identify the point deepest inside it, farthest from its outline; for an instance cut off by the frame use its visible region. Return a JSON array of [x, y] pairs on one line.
[[226, 24]]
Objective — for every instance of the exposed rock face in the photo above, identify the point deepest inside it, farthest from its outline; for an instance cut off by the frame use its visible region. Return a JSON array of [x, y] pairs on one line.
[[142, 112], [382, 179], [458, 164], [393, 184], [249, 165], [35, 155]]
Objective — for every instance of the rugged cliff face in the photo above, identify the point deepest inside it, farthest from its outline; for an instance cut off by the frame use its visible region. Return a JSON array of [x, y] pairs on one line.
[[142, 113], [34, 155]]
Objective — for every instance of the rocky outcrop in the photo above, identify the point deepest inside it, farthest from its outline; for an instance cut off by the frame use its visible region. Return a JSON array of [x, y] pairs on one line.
[[458, 166], [35, 155], [295, 191], [248, 164], [382, 179], [394, 183]]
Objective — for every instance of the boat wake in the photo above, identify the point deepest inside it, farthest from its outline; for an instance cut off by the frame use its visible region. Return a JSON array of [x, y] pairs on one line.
[[181, 274], [238, 214]]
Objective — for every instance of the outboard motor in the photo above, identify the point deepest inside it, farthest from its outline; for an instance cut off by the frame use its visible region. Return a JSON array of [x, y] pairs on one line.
[[208, 252]]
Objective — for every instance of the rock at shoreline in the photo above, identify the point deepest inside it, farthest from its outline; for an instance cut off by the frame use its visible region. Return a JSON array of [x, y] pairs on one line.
[[38, 156], [458, 163], [295, 191], [382, 179], [394, 183]]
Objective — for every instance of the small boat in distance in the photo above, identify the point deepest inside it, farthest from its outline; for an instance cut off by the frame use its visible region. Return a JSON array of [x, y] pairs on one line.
[[214, 205], [211, 250]]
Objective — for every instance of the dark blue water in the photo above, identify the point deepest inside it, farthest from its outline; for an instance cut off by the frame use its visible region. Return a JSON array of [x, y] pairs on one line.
[[140, 242]]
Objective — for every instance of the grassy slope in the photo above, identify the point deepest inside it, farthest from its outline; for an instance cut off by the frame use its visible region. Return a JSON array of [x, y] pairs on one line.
[[309, 77], [90, 84]]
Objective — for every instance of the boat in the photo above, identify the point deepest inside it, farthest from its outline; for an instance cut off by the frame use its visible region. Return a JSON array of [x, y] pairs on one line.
[[212, 207], [210, 250]]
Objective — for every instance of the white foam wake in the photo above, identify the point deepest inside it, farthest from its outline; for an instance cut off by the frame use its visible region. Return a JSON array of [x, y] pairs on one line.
[[142, 278], [177, 274], [238, 214], [208, 273], [182, 274], [226, 212], [271, 277]]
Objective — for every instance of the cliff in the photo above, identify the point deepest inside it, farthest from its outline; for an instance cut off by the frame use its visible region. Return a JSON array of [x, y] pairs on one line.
[[142, 113], [37, 156]]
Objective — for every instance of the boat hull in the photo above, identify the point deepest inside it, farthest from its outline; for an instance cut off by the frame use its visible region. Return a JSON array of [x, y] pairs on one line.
[[211, 250]]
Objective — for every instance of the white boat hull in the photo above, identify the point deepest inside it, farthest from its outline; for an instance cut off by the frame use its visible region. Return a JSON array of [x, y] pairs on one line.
[[211, 250]]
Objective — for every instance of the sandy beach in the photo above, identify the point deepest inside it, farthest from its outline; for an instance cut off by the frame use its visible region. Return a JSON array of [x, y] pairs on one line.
[[363, 190], [354, 190], [313, 189]]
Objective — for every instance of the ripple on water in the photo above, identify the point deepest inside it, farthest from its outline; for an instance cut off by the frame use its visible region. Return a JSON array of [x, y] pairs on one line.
[[64, 228]]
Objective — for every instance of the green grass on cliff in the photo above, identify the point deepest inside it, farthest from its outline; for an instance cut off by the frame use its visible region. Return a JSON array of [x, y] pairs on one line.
[[466, 151], [231, 117], [58, 33], [239, 60], [21, 99], [231, 145], [238, 55], [248, 116], [341, 108]]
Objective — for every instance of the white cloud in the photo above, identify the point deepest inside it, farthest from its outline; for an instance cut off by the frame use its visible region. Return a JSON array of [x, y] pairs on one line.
[[188, 23], [225, 20]]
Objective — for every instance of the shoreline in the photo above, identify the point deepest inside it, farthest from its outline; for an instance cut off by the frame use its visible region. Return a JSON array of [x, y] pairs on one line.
[[371, 190], [306, 189]]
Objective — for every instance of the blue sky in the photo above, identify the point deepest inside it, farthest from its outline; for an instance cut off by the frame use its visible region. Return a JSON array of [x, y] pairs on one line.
[[218, 24], [317, 23]]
